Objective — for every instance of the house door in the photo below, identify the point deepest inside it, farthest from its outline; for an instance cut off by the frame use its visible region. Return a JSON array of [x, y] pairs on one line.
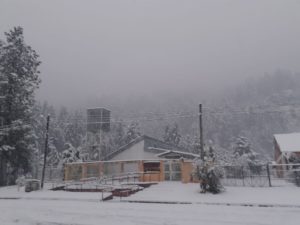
[[172, 171]]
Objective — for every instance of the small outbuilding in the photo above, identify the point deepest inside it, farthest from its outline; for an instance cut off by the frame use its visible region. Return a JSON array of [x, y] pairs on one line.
[[285, 147]]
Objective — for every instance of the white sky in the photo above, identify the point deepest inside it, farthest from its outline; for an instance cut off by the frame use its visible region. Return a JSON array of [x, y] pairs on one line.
[[123, 47]]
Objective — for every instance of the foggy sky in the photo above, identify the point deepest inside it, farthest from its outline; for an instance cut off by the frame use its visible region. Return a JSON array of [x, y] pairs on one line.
[[91, 48]]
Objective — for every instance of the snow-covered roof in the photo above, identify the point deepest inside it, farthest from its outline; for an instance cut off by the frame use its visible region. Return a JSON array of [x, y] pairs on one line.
[[139, 139], [96, 107], [288, 142], [166, 151]]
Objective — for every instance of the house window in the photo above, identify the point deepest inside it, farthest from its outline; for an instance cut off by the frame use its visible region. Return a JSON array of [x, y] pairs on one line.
[[151, 166]]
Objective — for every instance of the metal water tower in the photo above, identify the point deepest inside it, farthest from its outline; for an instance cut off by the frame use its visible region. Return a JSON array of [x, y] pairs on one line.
[[98, 119]]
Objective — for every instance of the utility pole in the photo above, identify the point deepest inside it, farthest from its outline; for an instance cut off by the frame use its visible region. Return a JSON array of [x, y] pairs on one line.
[[46, 151], [99, 150], [201, 132]]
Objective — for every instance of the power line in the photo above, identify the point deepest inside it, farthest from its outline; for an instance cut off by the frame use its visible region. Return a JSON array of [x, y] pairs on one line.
[[189, 115], [164, 116]]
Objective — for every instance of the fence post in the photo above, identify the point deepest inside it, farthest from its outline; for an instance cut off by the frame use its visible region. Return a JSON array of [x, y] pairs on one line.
[[269, 177]]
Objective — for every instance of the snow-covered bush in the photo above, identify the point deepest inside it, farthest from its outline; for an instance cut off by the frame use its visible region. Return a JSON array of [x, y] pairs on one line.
[[20, 181], [244, 156], [209, 173], [70, 154]]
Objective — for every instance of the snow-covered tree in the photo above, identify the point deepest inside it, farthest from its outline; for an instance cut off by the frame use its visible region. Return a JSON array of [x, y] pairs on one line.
[[191, 143], [70, 154], [118, 131], [244, 155], [133, 132], [19, 66], [54, 157], [208, 172], [172, 135]]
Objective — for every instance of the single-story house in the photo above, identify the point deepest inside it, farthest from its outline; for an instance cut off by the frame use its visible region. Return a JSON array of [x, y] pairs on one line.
[[153, 159]]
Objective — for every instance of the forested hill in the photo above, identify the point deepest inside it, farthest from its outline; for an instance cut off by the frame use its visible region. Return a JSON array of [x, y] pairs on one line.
[[256, 109], [277, 89]]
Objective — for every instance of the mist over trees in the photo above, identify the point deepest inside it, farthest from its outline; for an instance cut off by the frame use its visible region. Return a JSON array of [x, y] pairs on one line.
[[242, 118], [253, 111], [256, 109]]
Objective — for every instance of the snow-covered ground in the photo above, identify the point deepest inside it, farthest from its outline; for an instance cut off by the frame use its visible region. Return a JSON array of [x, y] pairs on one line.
[[177, 192], [12, 192], [53, 208], [46, 212]]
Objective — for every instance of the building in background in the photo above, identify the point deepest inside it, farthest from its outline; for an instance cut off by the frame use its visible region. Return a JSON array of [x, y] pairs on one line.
[[286, 150], [286, 145]]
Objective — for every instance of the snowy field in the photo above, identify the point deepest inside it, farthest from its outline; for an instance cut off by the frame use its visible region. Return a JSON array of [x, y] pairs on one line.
[[63, 208], [12, 192], [46, 212], [288, 195]]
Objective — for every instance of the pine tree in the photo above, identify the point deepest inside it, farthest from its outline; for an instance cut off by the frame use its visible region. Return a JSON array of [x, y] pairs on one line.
[[19, 65], [245, 156], [54, 156], [208, 173], [172, 135], [74, 128], [133, 132], [118, 134], [190, 143], [70, 154]]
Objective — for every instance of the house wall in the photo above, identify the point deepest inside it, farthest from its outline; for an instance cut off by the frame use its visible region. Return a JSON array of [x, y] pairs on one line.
[[78, 171], [277, 153], [186, 172], [278, 159], [73, 171]]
